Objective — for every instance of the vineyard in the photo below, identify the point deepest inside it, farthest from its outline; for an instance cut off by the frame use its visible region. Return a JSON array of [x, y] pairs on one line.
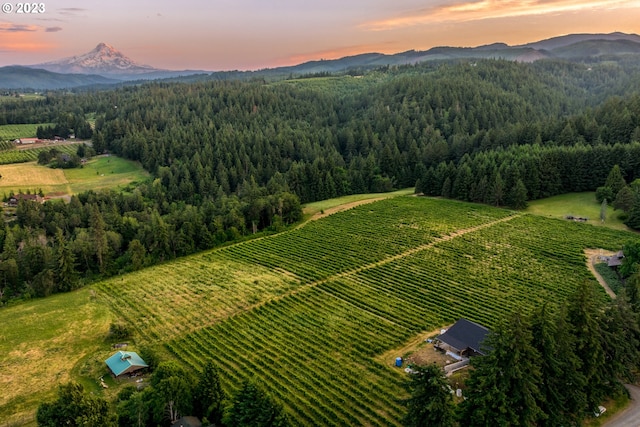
[[11, 132], [306, 311], [30, 155]]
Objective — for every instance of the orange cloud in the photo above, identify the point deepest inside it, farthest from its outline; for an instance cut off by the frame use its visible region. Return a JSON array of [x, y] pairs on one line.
[[21, 38], [489, 9], [9, 27]]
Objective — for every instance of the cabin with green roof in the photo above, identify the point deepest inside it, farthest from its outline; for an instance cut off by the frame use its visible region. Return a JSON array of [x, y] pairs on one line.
[[125, 362]]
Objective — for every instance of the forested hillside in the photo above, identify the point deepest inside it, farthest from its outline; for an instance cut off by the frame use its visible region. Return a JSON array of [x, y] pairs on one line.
[[231, 158]]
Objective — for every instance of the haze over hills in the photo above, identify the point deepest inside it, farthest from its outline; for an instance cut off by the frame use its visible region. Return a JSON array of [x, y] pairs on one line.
[[106, 61]]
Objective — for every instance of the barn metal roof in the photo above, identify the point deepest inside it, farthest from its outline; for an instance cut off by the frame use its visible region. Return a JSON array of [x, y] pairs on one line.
[[124, 362], [465, 334]]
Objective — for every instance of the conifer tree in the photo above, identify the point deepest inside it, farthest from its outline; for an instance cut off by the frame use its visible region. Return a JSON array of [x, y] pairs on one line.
[[562, 383], [430, 403], [65, 263], [583, 314], [252, 407], [503, 387], [209, 396]]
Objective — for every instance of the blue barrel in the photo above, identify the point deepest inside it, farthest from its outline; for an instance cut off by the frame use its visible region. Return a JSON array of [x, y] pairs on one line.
[[399, 362]]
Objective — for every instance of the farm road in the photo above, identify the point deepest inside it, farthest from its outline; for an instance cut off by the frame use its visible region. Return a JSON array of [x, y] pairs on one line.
[[630, 416], [592, 257]]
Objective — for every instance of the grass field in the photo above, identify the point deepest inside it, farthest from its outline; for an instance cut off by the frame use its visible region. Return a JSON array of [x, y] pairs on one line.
[[41, 343], [11, 132], [310, 312], [99, 172], [578, 205]]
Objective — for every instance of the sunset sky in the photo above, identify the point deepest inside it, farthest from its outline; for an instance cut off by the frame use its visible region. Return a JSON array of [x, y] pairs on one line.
[[252, 34]]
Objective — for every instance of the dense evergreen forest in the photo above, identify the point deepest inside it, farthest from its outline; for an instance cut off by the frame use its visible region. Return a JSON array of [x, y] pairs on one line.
[[230, 158]]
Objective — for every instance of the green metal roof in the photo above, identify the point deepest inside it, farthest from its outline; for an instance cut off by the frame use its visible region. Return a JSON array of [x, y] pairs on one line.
[[124, 362]]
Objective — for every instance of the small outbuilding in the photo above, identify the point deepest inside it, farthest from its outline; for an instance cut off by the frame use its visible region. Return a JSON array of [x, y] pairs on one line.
[[125, 362], [615, 260], [464, 338]]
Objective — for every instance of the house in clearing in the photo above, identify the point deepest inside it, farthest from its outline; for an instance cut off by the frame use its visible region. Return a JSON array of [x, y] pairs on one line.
[[125, 362], [464, 338]]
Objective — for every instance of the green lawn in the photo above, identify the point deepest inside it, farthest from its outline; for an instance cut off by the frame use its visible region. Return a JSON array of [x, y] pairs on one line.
[[578, 205], [105, 172]]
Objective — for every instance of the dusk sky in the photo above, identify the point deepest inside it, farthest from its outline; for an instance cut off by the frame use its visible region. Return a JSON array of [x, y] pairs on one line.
[[253, 34]]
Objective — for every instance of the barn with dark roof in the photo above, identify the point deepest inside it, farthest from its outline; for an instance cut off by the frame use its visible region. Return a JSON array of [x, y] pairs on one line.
[[463, 338]]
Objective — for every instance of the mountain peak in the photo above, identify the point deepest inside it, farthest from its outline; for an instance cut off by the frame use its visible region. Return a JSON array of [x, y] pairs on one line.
[[101, 47], [104, 59]]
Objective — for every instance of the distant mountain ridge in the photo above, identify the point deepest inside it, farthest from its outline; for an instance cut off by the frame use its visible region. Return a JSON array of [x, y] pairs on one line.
[[103, 59], [18, 77], [107, 62]]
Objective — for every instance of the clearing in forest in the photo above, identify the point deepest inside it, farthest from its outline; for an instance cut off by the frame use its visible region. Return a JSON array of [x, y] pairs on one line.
[[97, 173]]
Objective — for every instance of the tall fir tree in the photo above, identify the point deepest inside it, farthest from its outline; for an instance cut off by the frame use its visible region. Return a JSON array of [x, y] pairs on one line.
[[583, 314], [503, 388], [430, 403], [208, 396]]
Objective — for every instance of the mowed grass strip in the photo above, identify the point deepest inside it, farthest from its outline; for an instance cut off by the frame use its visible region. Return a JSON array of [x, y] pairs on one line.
[[41, 342]]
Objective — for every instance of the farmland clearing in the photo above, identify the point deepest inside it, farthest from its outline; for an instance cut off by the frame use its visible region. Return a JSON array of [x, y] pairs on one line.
[[314, 313], [99, 172]]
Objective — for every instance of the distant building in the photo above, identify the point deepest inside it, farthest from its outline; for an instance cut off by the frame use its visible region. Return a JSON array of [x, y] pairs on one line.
[[125, 362], [15, 199]]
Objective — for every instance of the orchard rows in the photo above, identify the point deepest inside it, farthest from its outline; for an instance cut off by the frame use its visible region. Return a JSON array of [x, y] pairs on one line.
[[337, 292]]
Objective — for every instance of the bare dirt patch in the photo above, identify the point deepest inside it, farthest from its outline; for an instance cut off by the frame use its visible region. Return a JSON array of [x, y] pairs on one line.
[[416, 351]]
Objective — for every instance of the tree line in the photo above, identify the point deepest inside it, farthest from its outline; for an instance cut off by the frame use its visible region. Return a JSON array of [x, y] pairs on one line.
[[171, 394], [57, 246]]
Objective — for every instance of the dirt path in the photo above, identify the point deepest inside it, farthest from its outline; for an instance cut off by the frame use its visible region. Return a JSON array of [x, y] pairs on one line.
[[592, 258]]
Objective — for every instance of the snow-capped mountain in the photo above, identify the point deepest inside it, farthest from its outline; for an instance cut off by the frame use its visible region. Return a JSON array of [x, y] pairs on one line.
[[104, 60]]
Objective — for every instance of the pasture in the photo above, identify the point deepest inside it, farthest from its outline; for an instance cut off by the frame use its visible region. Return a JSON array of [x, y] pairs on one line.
[[99, 172], [577, 205], [310, 312], [41, 343]]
